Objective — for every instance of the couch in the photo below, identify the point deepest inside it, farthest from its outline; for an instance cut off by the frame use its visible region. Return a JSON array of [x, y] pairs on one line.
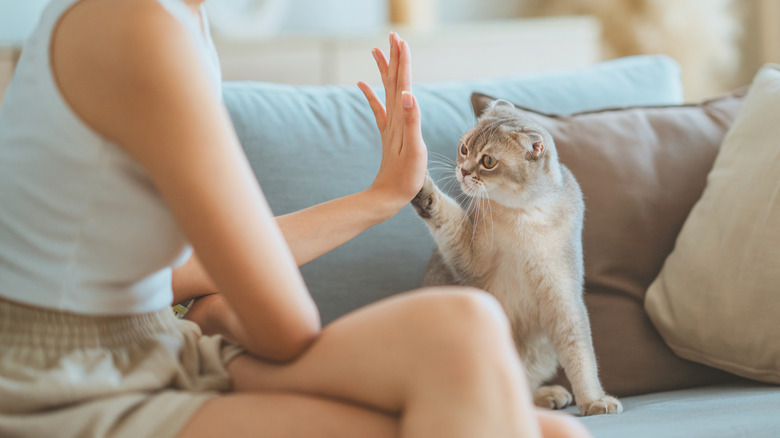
[[310, 144]]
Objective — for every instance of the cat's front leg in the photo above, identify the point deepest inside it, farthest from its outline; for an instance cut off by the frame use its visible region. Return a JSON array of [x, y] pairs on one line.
[[427, 199], [451, 229], [440, 212]]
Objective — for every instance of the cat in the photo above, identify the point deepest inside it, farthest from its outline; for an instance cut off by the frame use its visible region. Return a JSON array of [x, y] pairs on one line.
[[521, 242]]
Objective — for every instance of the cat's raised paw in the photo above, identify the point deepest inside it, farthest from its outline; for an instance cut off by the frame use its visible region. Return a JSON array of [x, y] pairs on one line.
[[424, 202], [552, 397], [604, 405]]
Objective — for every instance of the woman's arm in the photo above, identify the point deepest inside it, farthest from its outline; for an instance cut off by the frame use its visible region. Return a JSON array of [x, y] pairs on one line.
[[316, 230], [309, 234], [134, 75]]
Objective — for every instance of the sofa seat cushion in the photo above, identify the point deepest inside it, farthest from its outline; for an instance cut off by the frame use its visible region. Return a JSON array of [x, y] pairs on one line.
[[735, 410]]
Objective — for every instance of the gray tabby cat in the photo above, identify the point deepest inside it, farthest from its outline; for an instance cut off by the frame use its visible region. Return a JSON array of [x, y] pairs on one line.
[[523, 243]]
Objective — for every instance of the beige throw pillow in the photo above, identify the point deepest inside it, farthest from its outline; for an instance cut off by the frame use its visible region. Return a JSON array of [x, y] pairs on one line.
[[717, 298]]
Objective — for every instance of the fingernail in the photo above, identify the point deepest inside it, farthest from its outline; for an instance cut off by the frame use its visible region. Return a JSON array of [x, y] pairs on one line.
[[406, 99], [373, 53]]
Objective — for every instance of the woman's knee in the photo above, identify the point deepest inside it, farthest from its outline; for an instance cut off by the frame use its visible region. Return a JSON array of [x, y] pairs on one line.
[[560, 425], [460, 318], [469, 306]]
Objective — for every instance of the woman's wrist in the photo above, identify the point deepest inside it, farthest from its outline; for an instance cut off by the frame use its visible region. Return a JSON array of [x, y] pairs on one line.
[[209, 313], [382, 204], [190, 281]]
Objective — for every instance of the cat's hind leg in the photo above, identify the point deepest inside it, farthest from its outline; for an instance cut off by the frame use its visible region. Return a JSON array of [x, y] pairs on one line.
[[437, 273], [541, 364], [552, 397]]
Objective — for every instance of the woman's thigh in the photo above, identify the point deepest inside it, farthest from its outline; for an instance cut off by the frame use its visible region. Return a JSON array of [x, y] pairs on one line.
[[377, 355], [272, 415]]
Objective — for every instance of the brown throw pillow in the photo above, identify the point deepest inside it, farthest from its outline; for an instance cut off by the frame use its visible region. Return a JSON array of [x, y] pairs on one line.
[[641, 170]]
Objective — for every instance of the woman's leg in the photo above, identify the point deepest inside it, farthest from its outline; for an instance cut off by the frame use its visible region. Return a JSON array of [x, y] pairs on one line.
[[560, 425], [443, 361], [430, 364], [275, 415]]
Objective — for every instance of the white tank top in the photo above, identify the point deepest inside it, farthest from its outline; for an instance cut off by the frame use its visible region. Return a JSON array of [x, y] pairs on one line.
[[82, 228]]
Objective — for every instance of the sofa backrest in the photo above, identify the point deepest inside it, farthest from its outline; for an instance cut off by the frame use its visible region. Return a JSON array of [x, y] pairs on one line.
[[311, 144]]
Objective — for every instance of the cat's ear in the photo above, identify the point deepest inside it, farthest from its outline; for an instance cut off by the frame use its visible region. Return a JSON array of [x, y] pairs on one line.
[[501, 102], [536, 146], [480, 103]]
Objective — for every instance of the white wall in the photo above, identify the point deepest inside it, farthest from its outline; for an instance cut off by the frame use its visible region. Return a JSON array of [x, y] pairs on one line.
[[346, 15], [467, 10], [18, 18], [330, 15]]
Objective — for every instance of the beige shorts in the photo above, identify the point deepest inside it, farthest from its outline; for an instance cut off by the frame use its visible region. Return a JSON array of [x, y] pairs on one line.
[[67, 376]]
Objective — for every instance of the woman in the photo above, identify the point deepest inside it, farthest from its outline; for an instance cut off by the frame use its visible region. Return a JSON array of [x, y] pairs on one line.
[[114, 146]]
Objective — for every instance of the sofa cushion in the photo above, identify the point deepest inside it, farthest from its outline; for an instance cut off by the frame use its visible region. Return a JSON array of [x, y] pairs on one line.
[[312, 144], [641, 170], [732, 410], [717, 298]]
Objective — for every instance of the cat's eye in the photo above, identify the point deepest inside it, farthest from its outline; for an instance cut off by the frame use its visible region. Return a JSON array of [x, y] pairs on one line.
[[463, 150], [489, 162]]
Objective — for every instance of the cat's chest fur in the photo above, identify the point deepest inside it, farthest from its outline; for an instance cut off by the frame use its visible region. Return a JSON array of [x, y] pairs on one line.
[[524, 248]]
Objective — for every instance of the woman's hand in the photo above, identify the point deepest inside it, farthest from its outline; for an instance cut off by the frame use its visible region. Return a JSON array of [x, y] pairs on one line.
[[404, 155]]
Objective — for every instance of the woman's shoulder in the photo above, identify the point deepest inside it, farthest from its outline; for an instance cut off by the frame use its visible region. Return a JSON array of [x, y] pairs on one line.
[[120, 15], [109, 56], [114, 27]]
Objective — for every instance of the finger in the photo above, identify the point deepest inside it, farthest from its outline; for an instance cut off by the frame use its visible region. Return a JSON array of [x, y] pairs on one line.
[[404, 78], [381, 63], [412, 135], [404, 68], [392, 76], [375, 104]]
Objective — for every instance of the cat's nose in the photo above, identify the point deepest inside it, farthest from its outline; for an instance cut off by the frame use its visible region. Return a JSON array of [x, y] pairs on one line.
[[464, 172]]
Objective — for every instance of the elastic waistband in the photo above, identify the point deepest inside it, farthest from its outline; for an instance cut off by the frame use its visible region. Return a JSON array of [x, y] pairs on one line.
[[52, 329]]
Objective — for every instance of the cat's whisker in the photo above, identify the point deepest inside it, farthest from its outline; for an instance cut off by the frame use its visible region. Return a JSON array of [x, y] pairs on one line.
[[439, 156], [462, 198], [490, 210], [440, 169], [467, 214], [449, 178], [459, 126], [451, 164], [448, 183], [483, 208], [477, 211]]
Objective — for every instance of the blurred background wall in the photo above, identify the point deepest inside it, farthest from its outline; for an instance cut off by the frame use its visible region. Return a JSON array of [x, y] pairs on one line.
[[719, 43], [17, 19]]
